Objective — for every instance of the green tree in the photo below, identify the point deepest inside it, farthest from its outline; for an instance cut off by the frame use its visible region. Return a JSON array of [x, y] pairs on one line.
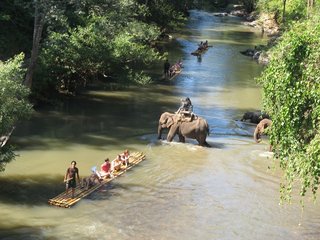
[[285, 11], [291, 88], [166, 14], [110, 42], [15, 30], [75, 42], [44, 12], [249, 5], [14, 105]]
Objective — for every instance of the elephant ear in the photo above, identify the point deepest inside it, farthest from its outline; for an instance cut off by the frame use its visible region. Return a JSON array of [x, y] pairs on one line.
[[170, 121]]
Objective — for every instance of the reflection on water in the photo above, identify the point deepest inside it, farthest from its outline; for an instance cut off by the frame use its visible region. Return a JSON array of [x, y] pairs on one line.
[[182, 191]]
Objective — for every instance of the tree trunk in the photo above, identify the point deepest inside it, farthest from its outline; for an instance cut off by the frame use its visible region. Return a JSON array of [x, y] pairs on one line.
[[284, 11], [4, 139], [310, 7], [37, 33]]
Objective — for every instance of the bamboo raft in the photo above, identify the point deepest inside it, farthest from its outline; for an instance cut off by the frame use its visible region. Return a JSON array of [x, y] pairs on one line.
[[199, 52], [66, 202], [175, 74]]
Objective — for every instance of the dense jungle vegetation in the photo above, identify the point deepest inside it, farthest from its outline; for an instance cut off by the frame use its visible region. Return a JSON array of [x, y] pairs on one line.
[[51, 47], [291, 88]]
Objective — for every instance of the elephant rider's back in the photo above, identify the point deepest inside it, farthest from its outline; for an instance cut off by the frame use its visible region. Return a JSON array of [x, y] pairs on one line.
[[186, 110]]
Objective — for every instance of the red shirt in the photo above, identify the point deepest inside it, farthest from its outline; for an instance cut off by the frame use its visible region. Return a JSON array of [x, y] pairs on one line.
[[106, 167]]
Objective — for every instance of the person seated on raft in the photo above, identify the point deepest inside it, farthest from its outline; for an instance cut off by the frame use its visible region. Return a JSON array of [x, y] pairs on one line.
[[203, 45], [116, 164], [175, 68], [105, 169], [200, 46], [172, 71], [186, 109], [125, 157], [178, 65]]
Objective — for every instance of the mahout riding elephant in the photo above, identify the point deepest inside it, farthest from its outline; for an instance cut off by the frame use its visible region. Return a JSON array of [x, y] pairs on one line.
[[254, 117], [197, 129], [263, 124]]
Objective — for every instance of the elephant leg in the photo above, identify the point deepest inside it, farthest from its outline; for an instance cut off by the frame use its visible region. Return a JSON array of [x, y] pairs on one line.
[[172, 132], [170, 137], [202, 141], [204, 144], [182, 138]]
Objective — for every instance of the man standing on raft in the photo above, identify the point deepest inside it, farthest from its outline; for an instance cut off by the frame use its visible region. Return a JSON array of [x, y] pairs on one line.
[[70, 178]]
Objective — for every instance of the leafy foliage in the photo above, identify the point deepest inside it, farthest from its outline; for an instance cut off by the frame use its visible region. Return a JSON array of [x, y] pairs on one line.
[[14, 105], [96, 40], [249, 5], [294, 9], [165, 13], [291, 86], [87, 40], [15, 30], [102, 46]]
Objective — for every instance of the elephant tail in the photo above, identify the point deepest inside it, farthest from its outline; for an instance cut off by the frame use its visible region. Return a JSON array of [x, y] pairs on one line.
[[207, 128]]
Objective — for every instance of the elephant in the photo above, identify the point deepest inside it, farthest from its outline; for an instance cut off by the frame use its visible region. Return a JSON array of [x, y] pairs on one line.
[[197, 129], [254, 117], [264, 123]]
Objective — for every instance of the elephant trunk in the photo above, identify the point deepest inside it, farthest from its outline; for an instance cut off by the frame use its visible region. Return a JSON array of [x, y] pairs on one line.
[[262, 125], [257, 135], [159, 131]]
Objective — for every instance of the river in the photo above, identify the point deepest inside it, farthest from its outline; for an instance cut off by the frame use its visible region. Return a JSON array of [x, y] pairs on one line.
[[181, 191]]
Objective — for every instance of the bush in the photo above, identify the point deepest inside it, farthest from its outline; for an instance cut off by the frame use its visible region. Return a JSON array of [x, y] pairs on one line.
[[291, 87]]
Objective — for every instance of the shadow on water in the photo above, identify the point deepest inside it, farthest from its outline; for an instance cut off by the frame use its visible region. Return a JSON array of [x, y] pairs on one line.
[[92, 123], [33, 191], [225, 122], [107, 192], [37, 190], [23, 233]]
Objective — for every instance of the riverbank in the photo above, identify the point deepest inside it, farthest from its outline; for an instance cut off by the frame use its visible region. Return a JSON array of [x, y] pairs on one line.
[[266, 23]]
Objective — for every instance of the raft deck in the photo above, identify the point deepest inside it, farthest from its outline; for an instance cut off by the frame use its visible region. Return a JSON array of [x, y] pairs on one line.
[[199, 52], [65, 201], [175, 74]]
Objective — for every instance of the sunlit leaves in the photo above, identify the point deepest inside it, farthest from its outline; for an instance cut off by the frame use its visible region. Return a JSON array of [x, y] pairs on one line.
[[294, 9]]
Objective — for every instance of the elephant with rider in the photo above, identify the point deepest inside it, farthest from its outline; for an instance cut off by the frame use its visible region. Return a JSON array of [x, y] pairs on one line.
[[197, 129]]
